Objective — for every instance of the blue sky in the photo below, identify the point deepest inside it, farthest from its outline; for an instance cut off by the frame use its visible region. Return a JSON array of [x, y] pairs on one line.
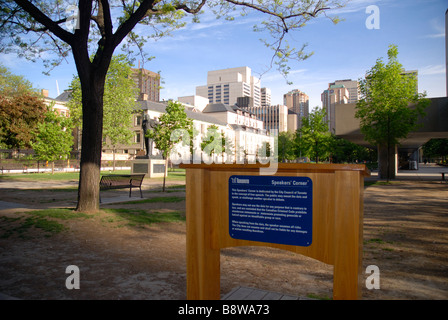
[[342, 51]]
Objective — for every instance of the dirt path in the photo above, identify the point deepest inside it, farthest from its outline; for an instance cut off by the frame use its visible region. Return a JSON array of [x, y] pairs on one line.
[[405, 235]]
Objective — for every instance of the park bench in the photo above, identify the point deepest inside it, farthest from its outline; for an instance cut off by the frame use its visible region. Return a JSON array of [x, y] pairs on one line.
[[122, 181]]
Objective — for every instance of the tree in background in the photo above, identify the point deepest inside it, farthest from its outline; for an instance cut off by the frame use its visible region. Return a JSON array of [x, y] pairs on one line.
[[174, 127], [384, 108], [344, 151], [315, 139], [12, 85], [436, 148], [265, 152], [19, 118], [118, 103], [54, 139], [216, 143], [102, 25], [286, 146], [21, 110]]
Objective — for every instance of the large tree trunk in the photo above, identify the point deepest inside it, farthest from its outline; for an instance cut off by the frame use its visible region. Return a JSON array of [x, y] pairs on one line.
[[92, 132], [92, 76], [387, 161]]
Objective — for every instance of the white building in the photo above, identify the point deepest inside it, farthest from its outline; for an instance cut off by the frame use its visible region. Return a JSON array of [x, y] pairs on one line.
[[274, 118], [196, 103], [245, 131], [242, 130], [266, 97], [225, 86]]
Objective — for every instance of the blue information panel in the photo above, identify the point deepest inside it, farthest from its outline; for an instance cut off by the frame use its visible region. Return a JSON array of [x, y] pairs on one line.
[[271, 209]]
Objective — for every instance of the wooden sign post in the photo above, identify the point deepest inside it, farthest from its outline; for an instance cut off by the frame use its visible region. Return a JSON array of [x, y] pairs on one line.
[[311, 209]]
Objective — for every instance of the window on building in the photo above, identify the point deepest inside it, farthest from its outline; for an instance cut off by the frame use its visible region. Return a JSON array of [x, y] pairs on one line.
[[138, 120]]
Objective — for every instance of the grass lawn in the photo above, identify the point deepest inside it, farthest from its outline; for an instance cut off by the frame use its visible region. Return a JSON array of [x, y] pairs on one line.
[[139, 217], [50, 221], [157, 199], [46, 220]]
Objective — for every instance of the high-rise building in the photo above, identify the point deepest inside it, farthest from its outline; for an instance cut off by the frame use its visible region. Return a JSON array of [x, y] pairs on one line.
[[299, 103], [265, 96], [244, 102], [352, 87], [273, 117], [227, 85], [335, 94], [148, 84]]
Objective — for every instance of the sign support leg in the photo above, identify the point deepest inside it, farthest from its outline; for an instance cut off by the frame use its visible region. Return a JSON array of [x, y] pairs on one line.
[[348, 236], [203, 262]]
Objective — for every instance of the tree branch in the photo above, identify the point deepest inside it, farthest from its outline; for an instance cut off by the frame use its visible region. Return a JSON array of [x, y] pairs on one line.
[[28, 29], [147, 6], [185, 8], [127, 26], [104, 8], [269, 12], [46, 21]]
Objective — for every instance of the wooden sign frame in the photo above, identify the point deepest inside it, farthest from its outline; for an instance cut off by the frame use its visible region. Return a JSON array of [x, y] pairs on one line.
[[337, 223]]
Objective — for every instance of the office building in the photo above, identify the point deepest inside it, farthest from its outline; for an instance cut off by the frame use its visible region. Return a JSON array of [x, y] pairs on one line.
[[352, 87], [148, 84], [334, 95], [297, 102], [244, 102], [227, 85], [265, 97], [275, 118]]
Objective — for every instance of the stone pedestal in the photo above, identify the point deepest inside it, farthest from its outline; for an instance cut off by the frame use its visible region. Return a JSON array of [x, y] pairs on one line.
[[153, 168]]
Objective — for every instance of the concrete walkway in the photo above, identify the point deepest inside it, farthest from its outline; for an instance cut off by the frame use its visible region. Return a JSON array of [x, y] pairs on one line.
[[425, 172], [107, 198]]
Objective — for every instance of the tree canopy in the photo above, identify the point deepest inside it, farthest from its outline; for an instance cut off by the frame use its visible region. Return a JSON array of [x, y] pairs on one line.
[[315, 138], [54, 138], [59, 25], [21, 109], [436, 148], [216, 143], [386, 93], [12, 85], [286, 146], [119, 103], [174, 127], [385, 110]]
